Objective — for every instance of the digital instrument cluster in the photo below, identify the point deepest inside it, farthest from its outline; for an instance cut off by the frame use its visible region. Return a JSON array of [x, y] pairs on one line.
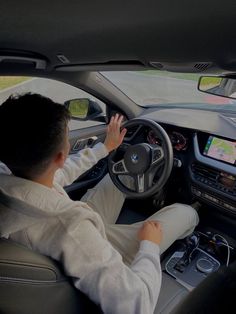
[[178, 140]]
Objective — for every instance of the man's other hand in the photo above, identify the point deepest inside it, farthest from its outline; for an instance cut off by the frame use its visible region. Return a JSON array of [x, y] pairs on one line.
[[151, 231], [114, 135]]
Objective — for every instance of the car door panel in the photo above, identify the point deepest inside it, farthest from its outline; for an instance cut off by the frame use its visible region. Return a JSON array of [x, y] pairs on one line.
[[80, 139], [86, 137]]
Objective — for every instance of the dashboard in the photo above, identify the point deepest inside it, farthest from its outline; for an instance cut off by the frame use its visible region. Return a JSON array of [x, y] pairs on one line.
[[206, 147]]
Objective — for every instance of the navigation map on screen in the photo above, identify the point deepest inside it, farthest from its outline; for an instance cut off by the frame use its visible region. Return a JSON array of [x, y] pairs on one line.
[[220, 149]]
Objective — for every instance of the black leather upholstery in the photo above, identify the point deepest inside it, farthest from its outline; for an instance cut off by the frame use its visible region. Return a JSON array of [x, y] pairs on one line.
[[34, 284]]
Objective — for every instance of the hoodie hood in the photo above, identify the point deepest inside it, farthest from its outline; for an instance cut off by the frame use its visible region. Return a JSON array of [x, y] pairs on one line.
[[24, 203]]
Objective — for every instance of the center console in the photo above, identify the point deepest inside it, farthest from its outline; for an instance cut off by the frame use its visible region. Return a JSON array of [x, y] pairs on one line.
[[190, 273], [198, 256], [213, 171]]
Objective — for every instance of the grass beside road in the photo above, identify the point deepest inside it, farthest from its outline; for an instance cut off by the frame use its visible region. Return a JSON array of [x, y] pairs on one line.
[[183, 76], [9, 81]]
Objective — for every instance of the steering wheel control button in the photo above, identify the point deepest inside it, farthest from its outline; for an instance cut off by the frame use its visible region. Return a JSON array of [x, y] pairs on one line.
[[157, 155], [204, 265], [138, 158], [119, 167]]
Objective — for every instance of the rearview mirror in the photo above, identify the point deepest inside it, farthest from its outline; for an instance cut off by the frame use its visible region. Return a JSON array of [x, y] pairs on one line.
[[218, 85], [84, 109]]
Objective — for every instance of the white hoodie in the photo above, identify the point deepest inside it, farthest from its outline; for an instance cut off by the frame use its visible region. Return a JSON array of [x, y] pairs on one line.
[[48, 221]]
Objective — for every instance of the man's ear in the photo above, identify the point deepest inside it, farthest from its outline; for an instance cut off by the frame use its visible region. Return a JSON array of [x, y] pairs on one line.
[[60, 159]]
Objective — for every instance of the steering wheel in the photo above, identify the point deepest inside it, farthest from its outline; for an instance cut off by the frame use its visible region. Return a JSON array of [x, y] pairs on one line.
[[140, 170]]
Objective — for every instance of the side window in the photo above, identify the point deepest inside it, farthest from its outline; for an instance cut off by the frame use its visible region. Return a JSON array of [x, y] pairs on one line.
[[57, 91]]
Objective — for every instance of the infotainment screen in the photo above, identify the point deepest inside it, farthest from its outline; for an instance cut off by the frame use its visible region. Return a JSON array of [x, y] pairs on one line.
[[221, 149]]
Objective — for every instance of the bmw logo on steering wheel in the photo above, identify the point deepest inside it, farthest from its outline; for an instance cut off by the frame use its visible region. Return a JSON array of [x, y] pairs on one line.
[[134, 158]]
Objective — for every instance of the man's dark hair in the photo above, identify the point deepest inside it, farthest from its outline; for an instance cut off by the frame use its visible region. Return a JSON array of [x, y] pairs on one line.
[[32, 131]]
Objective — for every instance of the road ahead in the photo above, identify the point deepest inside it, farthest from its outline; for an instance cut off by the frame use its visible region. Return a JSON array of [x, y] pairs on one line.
[[147, 89]]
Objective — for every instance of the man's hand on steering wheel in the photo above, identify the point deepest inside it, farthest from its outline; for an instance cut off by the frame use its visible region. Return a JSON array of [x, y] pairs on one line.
[[114, 136]]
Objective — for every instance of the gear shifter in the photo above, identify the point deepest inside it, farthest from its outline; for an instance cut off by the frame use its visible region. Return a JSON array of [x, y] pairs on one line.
[[190, 264], [191, 243]]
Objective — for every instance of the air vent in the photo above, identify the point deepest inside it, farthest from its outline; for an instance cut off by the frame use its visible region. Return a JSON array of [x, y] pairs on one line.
[[221, 181], [187, 67], [202, 66], [203, 173]]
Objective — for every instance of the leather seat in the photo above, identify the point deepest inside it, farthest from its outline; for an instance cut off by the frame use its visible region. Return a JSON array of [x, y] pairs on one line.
[[31, 284]]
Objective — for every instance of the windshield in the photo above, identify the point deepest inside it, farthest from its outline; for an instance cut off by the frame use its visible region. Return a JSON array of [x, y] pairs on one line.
[[160, 88]]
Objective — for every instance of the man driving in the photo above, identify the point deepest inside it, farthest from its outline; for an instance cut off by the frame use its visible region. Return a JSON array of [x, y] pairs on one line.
[[117, 266]]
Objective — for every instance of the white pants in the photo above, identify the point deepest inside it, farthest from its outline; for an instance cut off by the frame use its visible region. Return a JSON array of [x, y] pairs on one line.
[[178, 220]]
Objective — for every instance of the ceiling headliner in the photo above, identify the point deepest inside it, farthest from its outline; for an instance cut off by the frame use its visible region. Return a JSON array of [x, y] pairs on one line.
[[115, 32]]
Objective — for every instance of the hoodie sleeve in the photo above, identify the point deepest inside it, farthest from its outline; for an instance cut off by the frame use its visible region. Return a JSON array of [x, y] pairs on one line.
[[77, 164], [99, 272]]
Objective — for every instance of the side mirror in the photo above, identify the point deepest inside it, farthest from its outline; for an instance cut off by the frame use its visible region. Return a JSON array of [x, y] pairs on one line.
[[218, 85], [84, 109]]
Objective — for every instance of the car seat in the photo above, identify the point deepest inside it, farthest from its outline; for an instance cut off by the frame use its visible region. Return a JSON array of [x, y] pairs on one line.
[[31, 283]]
